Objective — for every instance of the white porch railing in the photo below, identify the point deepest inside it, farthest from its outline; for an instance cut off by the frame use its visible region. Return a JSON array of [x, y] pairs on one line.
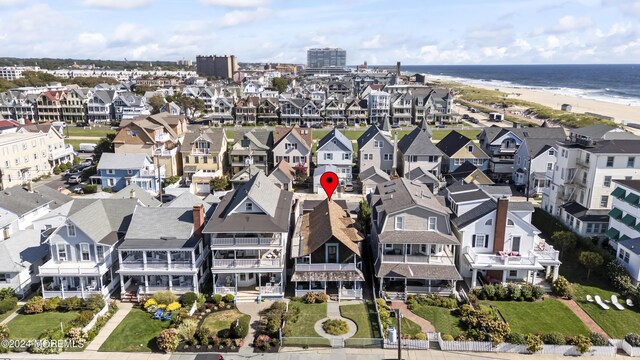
[[490, 259], [326, 267], [224, 290], [246, 241], [152, 265], [62, 152], [303, 292], [351, 293], [419, 259], [246, 263], [63, 270], [271, 289]]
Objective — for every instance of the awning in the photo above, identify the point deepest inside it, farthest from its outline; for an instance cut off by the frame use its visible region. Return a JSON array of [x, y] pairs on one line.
[[615, 213], [629, 220], [613, 233], [619, 193], [624, 237], [632, 199]]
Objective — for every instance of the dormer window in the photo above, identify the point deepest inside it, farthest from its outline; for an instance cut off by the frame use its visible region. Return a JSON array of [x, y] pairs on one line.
[[71, 230], [509, 222], [489, 222], [248, 206], [399, 223]]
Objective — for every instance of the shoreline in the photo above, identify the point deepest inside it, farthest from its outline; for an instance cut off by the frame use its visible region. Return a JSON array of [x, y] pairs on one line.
[[621, 113]]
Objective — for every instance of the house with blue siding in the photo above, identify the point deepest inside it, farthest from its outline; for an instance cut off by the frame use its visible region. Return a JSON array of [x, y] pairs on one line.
[[117, 171], [335, 149]]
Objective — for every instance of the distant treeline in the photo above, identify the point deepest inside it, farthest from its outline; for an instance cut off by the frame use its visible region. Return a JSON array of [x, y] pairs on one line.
[[53, 64], [36, 78]]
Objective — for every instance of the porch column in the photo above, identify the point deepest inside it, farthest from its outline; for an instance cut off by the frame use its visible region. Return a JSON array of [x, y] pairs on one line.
[[146, 284], [556, 270], [196, 284], [381, 286], [405, 286], [504, 276], [547, 271], [42, 287], [535, 277], [62, 283], [339, 289], [168, 260], [144, 260], [81, 287], [259, 286], [235, 279], [120, 258], [429, 285], [170, 282], [193, 260]]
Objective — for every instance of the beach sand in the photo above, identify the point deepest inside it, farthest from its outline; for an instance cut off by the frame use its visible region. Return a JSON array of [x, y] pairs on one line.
[[619, 112]]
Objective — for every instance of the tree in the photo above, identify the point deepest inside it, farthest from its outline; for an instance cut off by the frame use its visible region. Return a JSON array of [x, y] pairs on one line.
[[364, 217], [300, 173], [590, 260], [190, 106], [280, 84], [564, 240], [104, 145], [219, 183], [156, 102]]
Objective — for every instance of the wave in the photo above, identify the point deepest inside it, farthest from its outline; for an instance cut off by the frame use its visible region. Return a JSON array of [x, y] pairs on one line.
[[615, 96]]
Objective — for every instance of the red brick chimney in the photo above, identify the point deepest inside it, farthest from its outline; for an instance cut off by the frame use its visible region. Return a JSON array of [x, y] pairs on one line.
[[198, 219], [501, 224]]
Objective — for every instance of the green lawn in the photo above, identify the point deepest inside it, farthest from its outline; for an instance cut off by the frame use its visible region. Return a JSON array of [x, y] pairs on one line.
[[616, 323], [408, 327], [137, 332], [6, 315], [364, 316], [544, 316], [31, 326], [309, 315], [96, 132], [440, 318], [222, 320]]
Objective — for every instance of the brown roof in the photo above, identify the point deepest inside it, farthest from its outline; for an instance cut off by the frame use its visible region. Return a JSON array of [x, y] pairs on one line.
[[286, 169], [328, 221], [280, 133], [418, 271]]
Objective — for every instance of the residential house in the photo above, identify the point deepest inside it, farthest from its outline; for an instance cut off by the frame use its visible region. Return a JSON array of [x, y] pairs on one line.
[[468, 173], [133, 191], [268, 110], [291, 110], [311, 112], [440, 103], [375, 148], [336, 149], [49, 105], [501, 144], [370, 178], [327, 250], [57, 151], [244, 175], [415, 150], [499, 244], [245, 111], [248, 233], [580, 188], [23, 206], [623, 217], [20, 256], [628, 254], [222, 113], [293, 145], [283, 175], [127, 105], [357, 111], [83, 251], [17, 106], [74, 105], [100, 106], [411, 240], [458, 149], [251, 147], [172, 257], [24, 156], [119, 170], [378, 106], [171, 108], [317, 175], [203, 154], [533, 159], [400, 108], [335, 111]]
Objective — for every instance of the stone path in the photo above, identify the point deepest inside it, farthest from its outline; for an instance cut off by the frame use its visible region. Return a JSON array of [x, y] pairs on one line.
[[112, 324], [252, 309], [333, 312], [424, 324], [582, 315]]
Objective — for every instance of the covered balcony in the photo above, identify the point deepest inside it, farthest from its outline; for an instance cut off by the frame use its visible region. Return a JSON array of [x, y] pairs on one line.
[[250, 285], [230, 241], [152, 260], [250, 258], [72, 286], [139, 285], [418, 253]]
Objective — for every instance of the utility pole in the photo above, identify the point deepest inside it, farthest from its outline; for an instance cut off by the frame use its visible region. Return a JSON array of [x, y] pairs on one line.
[[399, 334]]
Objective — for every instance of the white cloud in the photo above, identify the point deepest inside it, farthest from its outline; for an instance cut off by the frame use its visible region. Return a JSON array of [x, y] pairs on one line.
[[92, 39], [117, 4], [523, 44], [239, 17], [627, 7], [129, 33], [374, 43], [235, 3], [565, 24], [10, 2]]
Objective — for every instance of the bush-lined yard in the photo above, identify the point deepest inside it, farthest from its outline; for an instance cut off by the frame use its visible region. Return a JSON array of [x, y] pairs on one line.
[[364, 316], [441, 318], [222, 320], [31, 326], [137, 332], [308, 315]]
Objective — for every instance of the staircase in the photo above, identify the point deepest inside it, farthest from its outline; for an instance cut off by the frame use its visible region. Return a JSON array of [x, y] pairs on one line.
[[129, 296], [247, 296]]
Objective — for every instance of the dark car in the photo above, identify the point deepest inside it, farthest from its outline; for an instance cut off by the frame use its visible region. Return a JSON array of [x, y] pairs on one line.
[[395, 126], [305, 125], [82, 124], [465, 116], [317, 126], [341, 126]]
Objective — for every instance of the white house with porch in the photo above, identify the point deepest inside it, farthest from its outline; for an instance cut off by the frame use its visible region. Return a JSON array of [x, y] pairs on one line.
[[248, 233]]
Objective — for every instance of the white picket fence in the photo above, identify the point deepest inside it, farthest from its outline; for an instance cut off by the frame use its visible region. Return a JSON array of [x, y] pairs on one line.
[[566, 350], [93, 321], [409, 344], [477, 346], [194, 307], [630, 350]]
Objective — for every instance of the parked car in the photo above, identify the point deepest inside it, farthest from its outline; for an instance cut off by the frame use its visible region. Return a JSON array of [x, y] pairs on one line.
[[341, 126], [75, 179], [317, 126], [465, 117], [395, 126], [348, 187], [441, 126], [86, 147]]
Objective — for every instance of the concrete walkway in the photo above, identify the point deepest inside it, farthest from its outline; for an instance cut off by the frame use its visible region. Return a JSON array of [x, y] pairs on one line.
[[333, 312], [252, 309], [424, 324], [14, 314], [582, 315], [112, 324]]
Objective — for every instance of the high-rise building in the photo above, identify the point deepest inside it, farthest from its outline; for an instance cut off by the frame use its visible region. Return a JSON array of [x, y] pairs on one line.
[[217, 66], [327, 57]]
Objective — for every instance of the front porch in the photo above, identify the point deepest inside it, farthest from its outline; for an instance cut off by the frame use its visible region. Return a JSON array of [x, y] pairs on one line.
[[252, 286], [340, 290], [75, 286], [138, 286], [399, 288]]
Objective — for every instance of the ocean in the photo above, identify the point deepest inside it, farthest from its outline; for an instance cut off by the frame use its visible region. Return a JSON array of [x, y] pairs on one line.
[[612, 83]]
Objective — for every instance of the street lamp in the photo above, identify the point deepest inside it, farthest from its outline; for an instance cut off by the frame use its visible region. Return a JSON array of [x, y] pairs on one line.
[[399, 334]]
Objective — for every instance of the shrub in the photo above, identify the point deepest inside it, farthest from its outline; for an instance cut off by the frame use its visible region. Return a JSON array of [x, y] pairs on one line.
[[56, 170], [488, 292], [335, 327], [165, 297], [7, 304], [513, 292], [619, 277], [35, 305], [597, 339], [447, 337], [433, 300], [501, 292], [384, 313], [534, 343], [76, 334], [188, 299], [240, 327], [516, 338], [229, 298], [582, 343], [322, 297], [90, 188], [4, 332], [151, 302], [633, 339], [6, 293], [216, 298], [203, 335], [95, 302], [421, 336], [483, 324], [173, 306], [71, 304], [83, 319], [527, 292], [187, 330], [310, 297], [168, 340], [554, 339], [52, 304], [562, 287]]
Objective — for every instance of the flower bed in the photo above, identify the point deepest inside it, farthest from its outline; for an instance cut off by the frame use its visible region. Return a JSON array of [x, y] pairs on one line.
[[335, 327], [267, 335]]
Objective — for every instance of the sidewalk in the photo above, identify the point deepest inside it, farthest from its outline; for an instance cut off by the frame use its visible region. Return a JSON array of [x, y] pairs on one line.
[[253, 309], [112, 324], [14, 314]]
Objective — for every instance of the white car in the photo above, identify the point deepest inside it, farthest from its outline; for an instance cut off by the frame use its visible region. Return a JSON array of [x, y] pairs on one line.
[[75, 179]]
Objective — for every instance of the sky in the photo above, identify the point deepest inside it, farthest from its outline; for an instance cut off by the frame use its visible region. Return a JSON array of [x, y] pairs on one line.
[[415, 32]]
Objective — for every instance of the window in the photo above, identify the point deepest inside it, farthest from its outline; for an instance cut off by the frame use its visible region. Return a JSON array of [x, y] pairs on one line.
[[518, 160], [589, 227], [111, 171], [509, 222], [552, 152], [367, 156], [423, 249], [549, 166], [587, 158], [480, 240], [5, 277], [388, 247], [205, 159], [129, 172], [111, 182], [604, 201], [515, 243], [513, 273], [387, 157], [489, 222], [399, 222], [607, 181], [248, 206], [84, 252], [196, 160], [609, 161], [346, 156], [100, 253], [432, 222], [433, 159], [584, 177], [624, 256], [412, 158], [62, 252], [71, 230], [291, 146], [470, 148], [377, 144], [631, 162], [186, 159], [328, 156]]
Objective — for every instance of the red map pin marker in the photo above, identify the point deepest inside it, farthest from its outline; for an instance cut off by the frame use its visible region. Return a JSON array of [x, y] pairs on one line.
[[329, 182]]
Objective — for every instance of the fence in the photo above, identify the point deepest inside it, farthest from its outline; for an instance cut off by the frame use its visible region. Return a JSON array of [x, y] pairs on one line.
[[566, 350], [364, 343], [630, 350], [194, 307], [408, 344], [306, 342], [93, 321]]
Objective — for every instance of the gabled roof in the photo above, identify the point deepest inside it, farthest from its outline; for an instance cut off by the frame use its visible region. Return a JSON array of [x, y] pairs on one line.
[[139, 193], [371, 172], [536, 147], [452, 143], [335, 133], [418, 142], [262, 138], [422, 175], [21, 250], [258, 190], [280, 133], [370, 133], [213, 135], [493, 132], [101, 220], [20, 201], [251, 170], [284, 168], [463, 170], [402, 194], [603, 132], [486, 208], [176, 232], [328, 221], [123, 161]]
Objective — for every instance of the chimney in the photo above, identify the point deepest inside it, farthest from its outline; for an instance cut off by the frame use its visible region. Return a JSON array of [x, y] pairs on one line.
[[198, 219], [132, 194], [501, 224]]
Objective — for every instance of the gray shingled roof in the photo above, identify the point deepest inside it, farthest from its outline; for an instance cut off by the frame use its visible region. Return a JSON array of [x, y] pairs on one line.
[[615, 147], [372, 171], [20, 201], [406, 194], [141, 194], [632, 184], [603, 132], [486, 208], [122, 161], [418, 271], [21, 250], [176, 231], [369, 134], [214, 135], [631, 244], [98, 219], [418, 142], [452, 143], [417, 237], [536, 147], [469, 196], [335, 133]]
